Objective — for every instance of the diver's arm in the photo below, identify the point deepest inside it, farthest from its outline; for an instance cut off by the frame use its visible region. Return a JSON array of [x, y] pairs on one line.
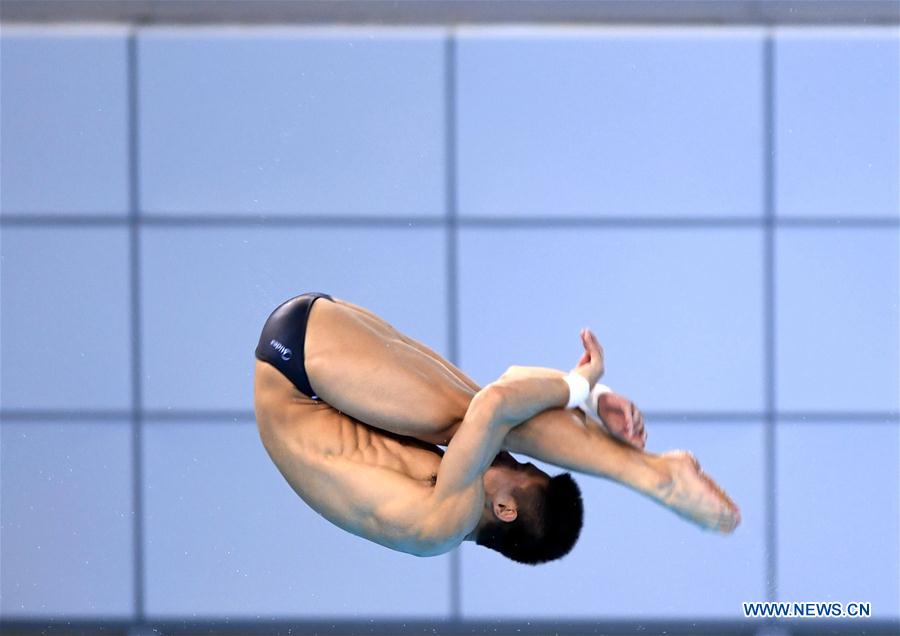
[[456, 502], [562, 436], [494, 411], [519, 394]]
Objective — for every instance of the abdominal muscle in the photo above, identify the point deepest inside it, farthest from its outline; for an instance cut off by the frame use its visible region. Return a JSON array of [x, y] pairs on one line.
[[303, 437]]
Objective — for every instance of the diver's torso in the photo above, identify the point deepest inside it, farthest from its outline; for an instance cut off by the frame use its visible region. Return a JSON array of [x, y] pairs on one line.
[[345, 469], [318, 429]]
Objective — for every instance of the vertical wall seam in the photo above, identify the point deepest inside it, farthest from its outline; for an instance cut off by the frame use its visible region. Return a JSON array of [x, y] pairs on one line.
[[135, 306], [452, 265], [769, 148]]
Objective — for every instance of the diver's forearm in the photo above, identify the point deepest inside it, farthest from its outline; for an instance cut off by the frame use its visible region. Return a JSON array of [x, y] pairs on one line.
[[562, 438], [525, 397]]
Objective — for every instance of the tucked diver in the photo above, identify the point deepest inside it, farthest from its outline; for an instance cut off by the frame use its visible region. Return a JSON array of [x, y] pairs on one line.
[[353, 413]]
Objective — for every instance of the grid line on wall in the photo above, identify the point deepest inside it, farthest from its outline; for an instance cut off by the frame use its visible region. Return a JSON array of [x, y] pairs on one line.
[[217, 220], [451, 269], [226, 416], [137, 411], [768, 148]]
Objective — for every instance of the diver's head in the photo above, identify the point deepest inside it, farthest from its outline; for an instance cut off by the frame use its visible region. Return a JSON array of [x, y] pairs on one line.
[[529, 516]]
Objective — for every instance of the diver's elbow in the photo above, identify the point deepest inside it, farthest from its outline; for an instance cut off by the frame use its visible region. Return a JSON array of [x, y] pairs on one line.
[[491, 404]]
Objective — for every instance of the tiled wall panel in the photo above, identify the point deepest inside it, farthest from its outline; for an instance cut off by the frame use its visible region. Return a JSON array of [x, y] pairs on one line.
[[65, 329], [226, 536], [839, 520], [64, 121], [66, 520], [679, 312], [549, 123], [207, 293], [636, 559], [557, 122], [292, 121], [837, 105], [838, 322]]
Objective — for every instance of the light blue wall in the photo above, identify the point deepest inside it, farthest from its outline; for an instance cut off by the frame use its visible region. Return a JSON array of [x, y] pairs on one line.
[[65, 318], [317, 122], [65, 121], [838, 123], [616, 178], [610, 123], [654, 294], [66, 511], [836, 535]]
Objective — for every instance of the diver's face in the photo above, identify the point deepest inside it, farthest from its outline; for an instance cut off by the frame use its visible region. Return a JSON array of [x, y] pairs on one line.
[[506, 474], [506, 485]]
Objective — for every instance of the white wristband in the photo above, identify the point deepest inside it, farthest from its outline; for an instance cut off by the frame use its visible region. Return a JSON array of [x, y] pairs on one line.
[[590, 405], [579, 388]]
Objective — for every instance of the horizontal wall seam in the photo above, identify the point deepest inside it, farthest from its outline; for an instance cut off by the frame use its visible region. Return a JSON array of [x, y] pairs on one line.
[[663, 416], [413, 222]]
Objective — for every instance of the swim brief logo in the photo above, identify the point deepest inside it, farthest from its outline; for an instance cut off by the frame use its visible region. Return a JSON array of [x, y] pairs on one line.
[[285, 352]]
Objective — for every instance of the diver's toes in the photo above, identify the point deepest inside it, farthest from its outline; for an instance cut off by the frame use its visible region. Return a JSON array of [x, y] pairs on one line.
[[730, 520], [736, 519]]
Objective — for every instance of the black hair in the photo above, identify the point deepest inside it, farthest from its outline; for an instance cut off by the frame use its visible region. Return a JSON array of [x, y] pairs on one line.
[[547, 526]]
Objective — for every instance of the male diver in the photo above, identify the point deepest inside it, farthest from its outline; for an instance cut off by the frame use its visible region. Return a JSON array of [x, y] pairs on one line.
[[353, 413]]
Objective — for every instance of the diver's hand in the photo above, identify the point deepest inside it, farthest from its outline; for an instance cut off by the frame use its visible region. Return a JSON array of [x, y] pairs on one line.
[[591, 365], [623, 419]]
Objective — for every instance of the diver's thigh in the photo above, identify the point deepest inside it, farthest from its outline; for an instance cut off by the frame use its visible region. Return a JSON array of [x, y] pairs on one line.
[[382, 326], [367, 371]]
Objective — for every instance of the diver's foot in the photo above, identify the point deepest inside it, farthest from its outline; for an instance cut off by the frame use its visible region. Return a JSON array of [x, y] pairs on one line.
[[623, 419], [695, 496]]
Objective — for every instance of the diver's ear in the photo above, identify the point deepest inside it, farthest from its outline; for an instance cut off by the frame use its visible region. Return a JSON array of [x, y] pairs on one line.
[[505, 510]]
